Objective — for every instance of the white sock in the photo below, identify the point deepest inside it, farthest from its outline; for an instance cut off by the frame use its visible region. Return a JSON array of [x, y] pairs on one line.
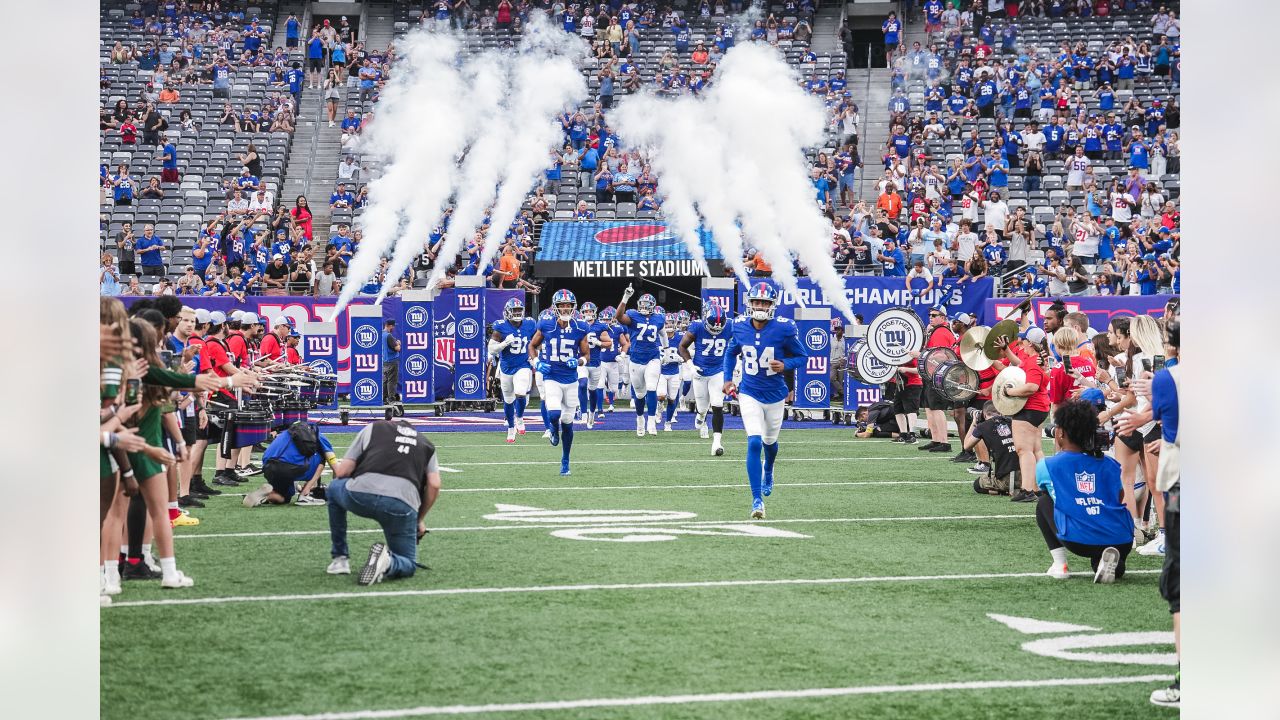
[[124, 550], [173, 505], [1059, 556], [111, 571], [169, 567], [716, 437]]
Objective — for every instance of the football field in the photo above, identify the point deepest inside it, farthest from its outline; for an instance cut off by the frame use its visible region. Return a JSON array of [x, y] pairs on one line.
[[639, 588]]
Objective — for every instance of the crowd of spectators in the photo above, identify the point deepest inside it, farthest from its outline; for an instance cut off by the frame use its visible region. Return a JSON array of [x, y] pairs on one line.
[[1026, 120]]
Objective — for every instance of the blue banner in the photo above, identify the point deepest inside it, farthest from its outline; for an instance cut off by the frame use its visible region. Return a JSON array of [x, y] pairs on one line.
[[414, 329], [870, 295], [469, 360], [856, 394], [366, 355], [320, 350], [621, 249], [1099, 308], [719, 291], [445, 328], [813, 380]]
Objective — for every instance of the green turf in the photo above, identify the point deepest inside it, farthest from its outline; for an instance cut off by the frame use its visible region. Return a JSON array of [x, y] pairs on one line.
[[275, 657]]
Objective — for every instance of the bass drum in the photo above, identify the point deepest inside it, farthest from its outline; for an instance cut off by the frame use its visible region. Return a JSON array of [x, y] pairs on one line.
[[893, 334], [934, 358], [956, 382], [867, 368]]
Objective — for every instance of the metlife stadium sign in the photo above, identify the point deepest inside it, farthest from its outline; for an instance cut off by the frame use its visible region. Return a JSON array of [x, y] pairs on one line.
[[608, 249]]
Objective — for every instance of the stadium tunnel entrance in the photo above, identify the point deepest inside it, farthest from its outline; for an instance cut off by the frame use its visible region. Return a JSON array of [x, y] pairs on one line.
[[608, 291]]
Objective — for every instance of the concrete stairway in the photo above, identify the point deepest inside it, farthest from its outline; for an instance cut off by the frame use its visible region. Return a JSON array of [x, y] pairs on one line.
[[826, 30], [379, 25], [313, 163]]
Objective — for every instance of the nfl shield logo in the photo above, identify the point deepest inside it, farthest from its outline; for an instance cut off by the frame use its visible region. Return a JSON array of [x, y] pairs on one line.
[[1085, 483]]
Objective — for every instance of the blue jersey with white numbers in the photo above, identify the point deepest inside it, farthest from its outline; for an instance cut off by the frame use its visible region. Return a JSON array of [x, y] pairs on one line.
[[778, 340], [644, 335], [561, 344], [616, 332], [708, 349], [671, 357], [597, 354], [516, 355]]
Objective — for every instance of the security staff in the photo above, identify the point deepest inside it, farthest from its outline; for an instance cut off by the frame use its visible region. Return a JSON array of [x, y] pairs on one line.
[[390, 475]]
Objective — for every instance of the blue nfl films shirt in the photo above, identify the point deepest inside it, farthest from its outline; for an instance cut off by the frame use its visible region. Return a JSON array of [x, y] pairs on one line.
[[283, 449], [516, 355], [598, 328], [1086, 493], [777, 341], [708, 349], [561, 344], [644, 335]]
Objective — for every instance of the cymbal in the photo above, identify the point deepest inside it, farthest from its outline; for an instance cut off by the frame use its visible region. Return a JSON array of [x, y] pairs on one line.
[[971, 348], [1006, 329], [1006, 405]]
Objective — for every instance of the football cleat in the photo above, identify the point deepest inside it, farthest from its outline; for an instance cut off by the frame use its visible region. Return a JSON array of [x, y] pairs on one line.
[[704, 432], [564, 468], [757, 510], [639, 426], [766, 483], [699, 422], [1155, 548], [716, 448], [651, 426], [667, 427], [511, 435], [546, 434], [519, 426]]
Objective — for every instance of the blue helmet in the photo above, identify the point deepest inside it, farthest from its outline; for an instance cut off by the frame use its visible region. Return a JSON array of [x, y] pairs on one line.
[[547, 314], [646, 304], [564, 297], [589, 312], [762, 291], [658, 310], [608, 315], [513, 311], [714, 319]]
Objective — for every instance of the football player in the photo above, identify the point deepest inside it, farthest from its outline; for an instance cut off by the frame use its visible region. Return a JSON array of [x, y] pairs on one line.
[[708, 341], [669, 380], [600, 340], [540, 381], [509, 344], [612, 358], [567, 348], [769, 348], [645, 324], [683, 320]]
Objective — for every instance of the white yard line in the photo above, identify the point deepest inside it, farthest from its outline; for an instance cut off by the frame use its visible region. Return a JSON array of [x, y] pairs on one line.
[[592, 587], [723, 697], [653, 523], [839, 483], [781, 459]]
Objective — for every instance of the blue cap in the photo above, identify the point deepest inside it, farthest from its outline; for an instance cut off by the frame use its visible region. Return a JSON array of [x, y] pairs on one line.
[[1149, 256], [1094, 396], [1164, 229]]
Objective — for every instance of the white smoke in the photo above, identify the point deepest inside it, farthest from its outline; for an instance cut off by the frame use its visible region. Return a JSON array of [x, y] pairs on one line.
[[735, 156], [466, 128]]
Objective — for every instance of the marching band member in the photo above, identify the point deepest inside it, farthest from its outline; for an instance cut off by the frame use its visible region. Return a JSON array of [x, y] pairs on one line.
[[939, 335], [1027, 352]]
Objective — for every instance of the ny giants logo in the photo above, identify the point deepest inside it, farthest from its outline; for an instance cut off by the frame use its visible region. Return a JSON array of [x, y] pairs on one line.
[[720, 301], [468, 356], [468, 301], [366, 389], [417, 341], [416, 388], [320, 345], [365, 362], [468, 384], [817, 339], [366, 336], [816, 364], [815, 391], [416, 316], [415, 365]]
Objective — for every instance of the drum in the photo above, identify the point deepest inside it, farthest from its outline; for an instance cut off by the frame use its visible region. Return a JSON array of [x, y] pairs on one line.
[[308, 392], [933, 358], [955, 382], [893, 334], [248, 428], [221, 405], [867, 368], [327, 391]]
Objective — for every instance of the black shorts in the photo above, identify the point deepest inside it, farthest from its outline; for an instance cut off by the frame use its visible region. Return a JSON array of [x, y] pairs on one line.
[[281, 476], [1035, 417], [1135, 441], [190, 428], [907, 401], [1171, 573], [933, 400], [212, 431], [315, 63]]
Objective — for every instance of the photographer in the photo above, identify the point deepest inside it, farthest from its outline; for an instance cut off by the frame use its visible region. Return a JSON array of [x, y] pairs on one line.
[[296, 455], [390, 475], [1082, 509], [992, 442]]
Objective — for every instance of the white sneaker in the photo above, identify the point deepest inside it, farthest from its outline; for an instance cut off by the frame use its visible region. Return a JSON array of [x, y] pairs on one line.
[[511, 435], [652, 426], [667, 427], [1155, 548], [257, 497], [308, 501], [519, 426], [341, 565], [150, 561], [331, 124], [704, 432], [588, 418], [110, 584], [610, 408], [376, 566], [1106, 573], [177, 581], [639, 426], [104, 601], [1058, 572]]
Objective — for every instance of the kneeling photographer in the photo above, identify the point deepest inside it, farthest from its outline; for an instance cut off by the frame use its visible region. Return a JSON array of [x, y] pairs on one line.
[[1082, 508], [296, 455]]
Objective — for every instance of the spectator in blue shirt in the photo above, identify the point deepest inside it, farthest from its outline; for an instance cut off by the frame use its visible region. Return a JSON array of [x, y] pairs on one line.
[[315, 60], [341, 198], [150, 250], [291, 31]]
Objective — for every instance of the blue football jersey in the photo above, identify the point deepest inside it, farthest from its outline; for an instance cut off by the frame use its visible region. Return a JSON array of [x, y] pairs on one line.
[[516, 355], [644, 335], [616, 331], [598, 329], [778, 340], [561, 344], [671, 357], [708, 349]]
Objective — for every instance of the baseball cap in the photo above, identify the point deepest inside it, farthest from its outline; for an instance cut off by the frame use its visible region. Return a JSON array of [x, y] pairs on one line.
[[965, 318], [294, 333], [236, 314], [277, 256], [279, 320], [1164, 229], [202, 316], [1149, 256], [1093, 396], [217, 317], [1034, 334], [249, 319]]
